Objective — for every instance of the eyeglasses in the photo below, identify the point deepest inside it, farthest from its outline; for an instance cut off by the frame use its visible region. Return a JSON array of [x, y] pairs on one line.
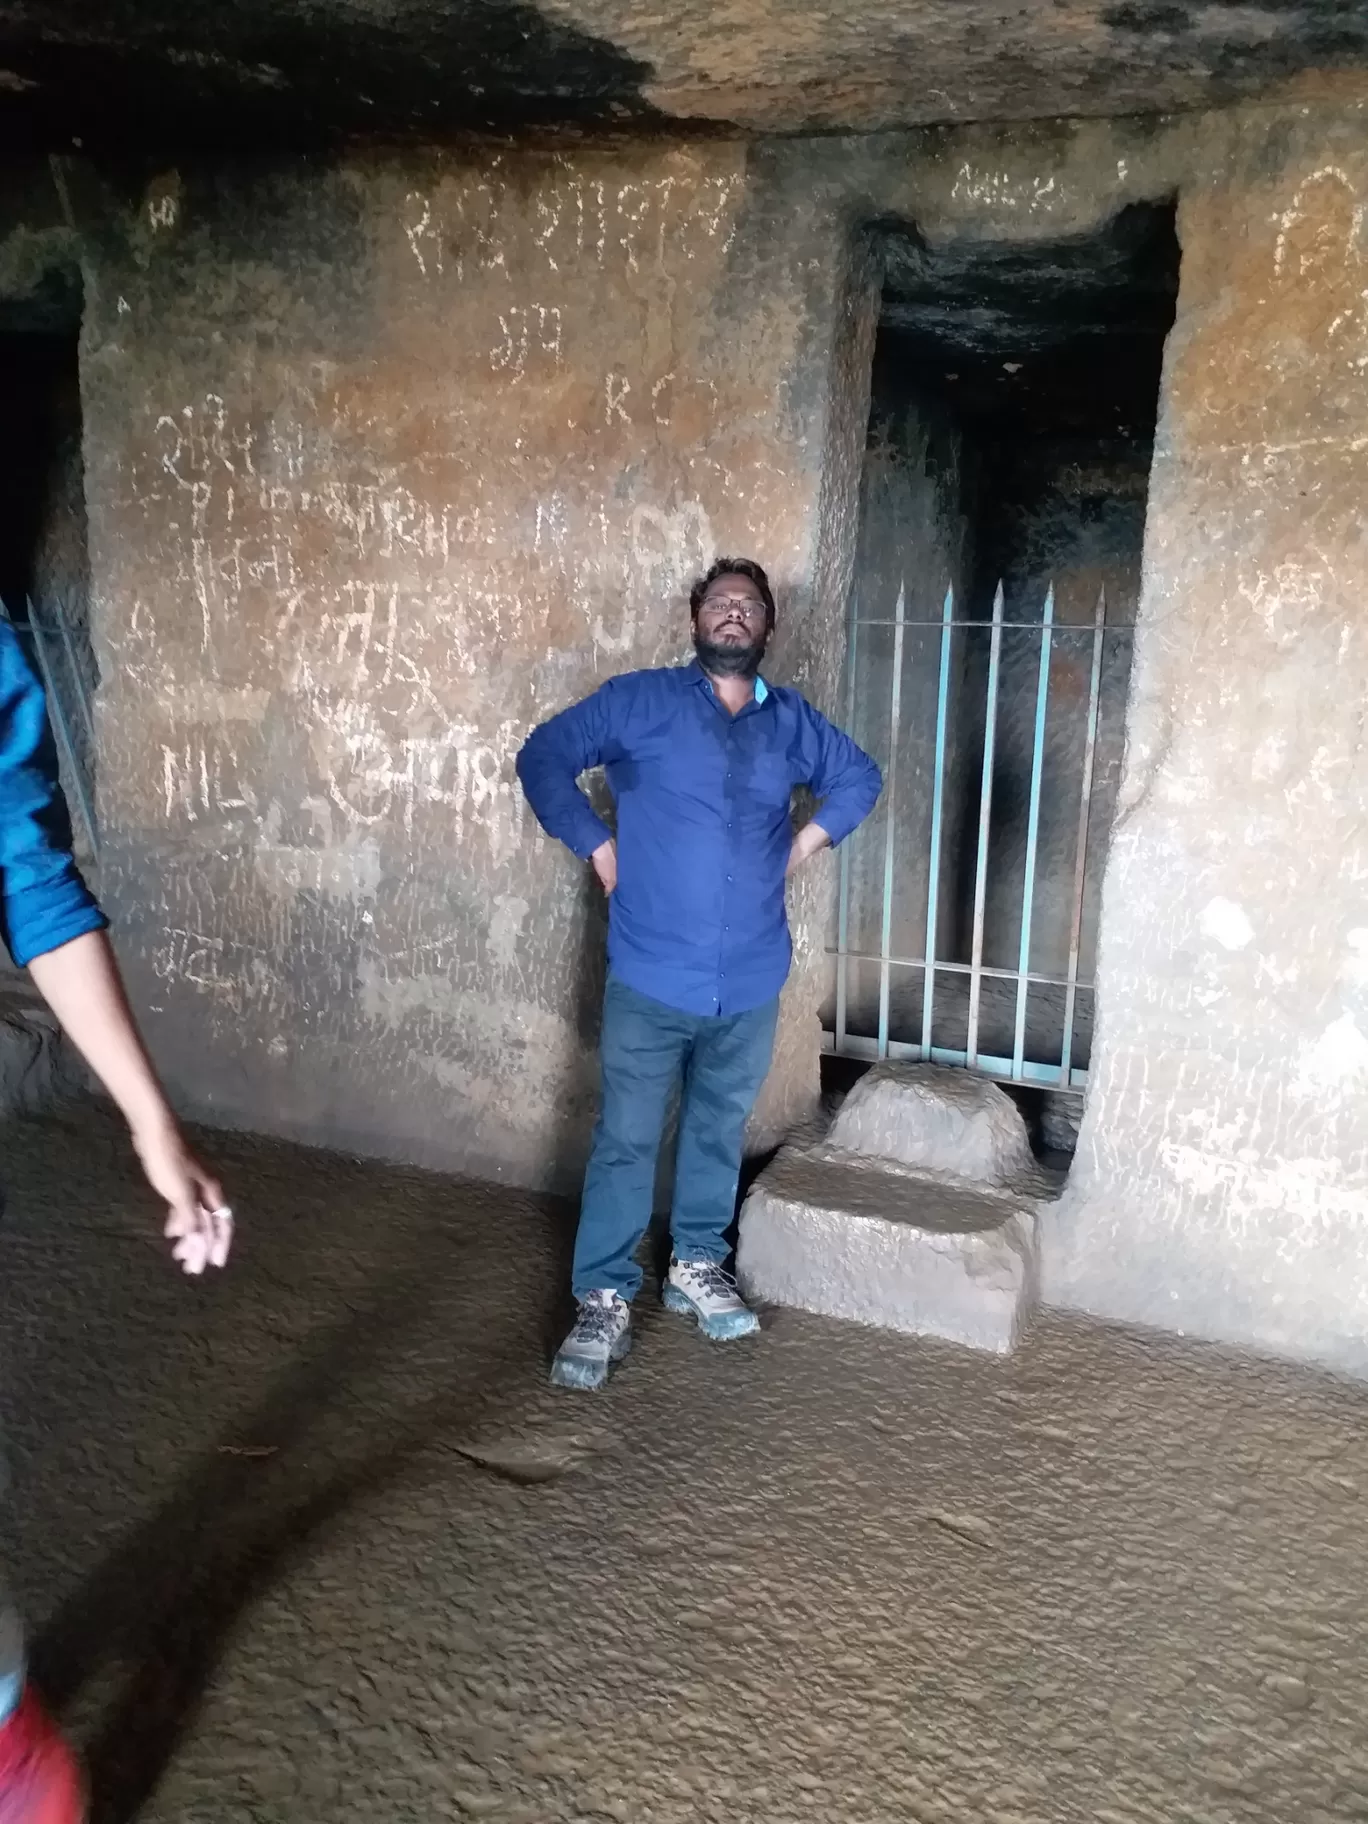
[[743, 604]]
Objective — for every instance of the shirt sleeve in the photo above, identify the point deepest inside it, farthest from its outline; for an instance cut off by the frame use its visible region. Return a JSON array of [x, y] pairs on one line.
[[44, 903], [843, 778], [553, 757]]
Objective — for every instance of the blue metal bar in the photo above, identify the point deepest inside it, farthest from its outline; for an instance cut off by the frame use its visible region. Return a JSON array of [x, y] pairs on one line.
[[937, 818], [843, 903], [1045, 1074], [1066, 1073], [985, 818], [1032, 831], [63, 727], [77, 678], [1118, 629], [944, 968], [890, 814]]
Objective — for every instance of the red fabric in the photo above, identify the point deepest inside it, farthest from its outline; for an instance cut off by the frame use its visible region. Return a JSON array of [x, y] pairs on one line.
[[39, 1780]]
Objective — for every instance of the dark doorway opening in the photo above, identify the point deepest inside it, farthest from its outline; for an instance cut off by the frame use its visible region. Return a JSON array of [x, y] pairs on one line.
[[44, 555], [1014, 406]]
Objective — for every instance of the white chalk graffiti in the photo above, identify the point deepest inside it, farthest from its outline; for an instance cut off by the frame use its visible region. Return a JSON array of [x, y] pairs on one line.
[[616, 388], [529, 332], [376, 774], [193, 957], [574, 218], [659, 413], [1319, 246], [1001, 190], [1289, 600], [422, 234], [1326, 204], [378, 568], [193, 776], [366, 631], [678, 544]]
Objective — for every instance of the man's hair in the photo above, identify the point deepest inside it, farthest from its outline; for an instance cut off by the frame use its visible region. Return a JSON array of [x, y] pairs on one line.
[[734, 566]]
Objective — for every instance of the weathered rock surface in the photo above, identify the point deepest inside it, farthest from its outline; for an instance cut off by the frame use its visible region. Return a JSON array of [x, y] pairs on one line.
[[915, 1212], [934, 1120], [38, 1068], [388, 456], [907, 1251], [303, 69]]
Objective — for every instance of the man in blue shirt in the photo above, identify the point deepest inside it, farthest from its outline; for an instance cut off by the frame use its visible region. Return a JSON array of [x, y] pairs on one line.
[[51, 924], [702, 762]]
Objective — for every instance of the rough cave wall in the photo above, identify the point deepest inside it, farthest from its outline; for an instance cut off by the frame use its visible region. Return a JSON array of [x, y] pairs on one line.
[[356, 523], [386, 462], [1221, 1185]]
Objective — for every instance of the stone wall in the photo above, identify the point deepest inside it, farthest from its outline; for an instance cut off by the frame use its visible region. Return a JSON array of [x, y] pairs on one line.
[[385, 459], [1221, 1186], [386, 463]]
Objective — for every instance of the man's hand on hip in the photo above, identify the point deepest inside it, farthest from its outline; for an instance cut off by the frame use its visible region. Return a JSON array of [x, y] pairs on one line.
[[604, 859], [805, 844]]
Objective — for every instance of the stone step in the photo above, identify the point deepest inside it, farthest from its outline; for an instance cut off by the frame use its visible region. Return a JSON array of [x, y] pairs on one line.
[[906, 1251], [916, 1212]]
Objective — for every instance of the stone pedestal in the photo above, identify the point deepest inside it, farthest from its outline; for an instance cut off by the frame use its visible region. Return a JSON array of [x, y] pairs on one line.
[[916, 1211]]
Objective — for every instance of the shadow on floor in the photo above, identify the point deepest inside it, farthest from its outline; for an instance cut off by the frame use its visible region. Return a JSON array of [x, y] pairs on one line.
[[160, 1609]]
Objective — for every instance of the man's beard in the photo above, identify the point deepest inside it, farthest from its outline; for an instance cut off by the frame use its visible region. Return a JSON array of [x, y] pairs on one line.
[[731, 658]]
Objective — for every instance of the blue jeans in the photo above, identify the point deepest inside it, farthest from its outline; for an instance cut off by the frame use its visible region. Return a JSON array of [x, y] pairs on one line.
[[645, 1051]]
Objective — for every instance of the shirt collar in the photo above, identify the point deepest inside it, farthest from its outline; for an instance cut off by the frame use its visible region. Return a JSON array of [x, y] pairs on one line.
[[761, 688]]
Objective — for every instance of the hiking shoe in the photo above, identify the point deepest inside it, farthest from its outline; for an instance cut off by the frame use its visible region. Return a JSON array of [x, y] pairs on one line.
[[699, 1288], [39, 1781], [602, 1335]]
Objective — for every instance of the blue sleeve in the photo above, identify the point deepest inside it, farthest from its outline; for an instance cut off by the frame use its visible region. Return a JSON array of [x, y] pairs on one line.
[[44, 903], [842, 776], [552, 759]]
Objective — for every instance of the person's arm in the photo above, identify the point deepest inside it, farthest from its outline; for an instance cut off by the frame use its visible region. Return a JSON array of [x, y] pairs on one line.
[[549, 765], [53, 926], [80, 982], [844, 780]]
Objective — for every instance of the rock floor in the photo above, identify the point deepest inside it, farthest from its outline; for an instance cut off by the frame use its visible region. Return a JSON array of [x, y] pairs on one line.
[[318, 1543]]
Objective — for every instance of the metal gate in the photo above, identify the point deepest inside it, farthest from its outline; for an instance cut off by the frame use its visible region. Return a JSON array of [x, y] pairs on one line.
[[49, 640], [953, 944]]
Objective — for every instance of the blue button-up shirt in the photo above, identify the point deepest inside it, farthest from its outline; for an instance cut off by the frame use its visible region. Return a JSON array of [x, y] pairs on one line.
[[703, 831], [44, 903]]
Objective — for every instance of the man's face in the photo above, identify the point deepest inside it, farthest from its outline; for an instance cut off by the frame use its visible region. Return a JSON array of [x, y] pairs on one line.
[[730, 634]]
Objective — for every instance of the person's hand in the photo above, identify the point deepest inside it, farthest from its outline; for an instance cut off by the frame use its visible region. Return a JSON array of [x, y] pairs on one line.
[[604, 859], [80, 981], [808, 841], [198, 1221]]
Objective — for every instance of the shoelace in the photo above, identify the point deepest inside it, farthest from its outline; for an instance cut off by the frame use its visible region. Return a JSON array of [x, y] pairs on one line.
[[596, 1320], [714, 1280]]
